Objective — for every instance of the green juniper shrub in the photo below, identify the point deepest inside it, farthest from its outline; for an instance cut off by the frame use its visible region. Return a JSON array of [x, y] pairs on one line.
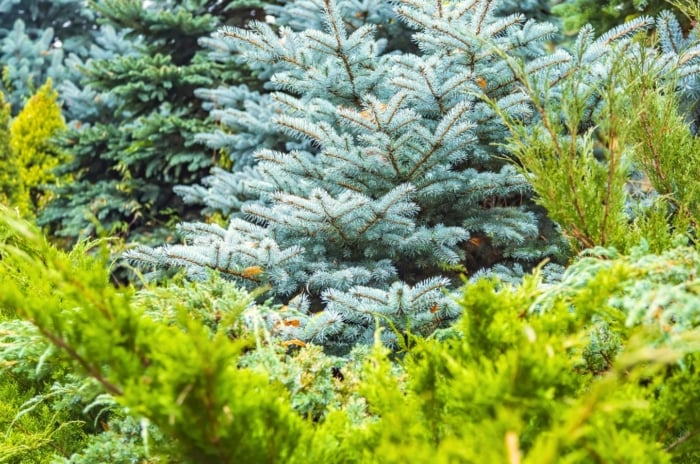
[[605, 15], [599, 366], [178, 376], [622, 169], [40, 405], [8, 176]]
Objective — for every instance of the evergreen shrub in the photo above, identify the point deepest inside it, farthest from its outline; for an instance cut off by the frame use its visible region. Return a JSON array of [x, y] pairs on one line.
[[28, 153], [622, 169], [8, 176], [600, 366], [34, 151]]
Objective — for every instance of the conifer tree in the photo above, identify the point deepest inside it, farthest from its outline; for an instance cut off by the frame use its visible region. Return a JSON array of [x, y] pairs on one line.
[[136, 140], [388, 185], [33, 153], [36, 36], [8, 174], [683, 51], [540, 10]]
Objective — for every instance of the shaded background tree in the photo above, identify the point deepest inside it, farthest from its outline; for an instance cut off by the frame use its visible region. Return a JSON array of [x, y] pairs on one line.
[[135, 115], [605, 15], [36, 36]]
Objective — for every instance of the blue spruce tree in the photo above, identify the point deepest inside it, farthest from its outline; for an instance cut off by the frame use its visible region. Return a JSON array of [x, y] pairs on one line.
[[683, 50], [36, 37], [377, 181], [541, 10], [379, 176]]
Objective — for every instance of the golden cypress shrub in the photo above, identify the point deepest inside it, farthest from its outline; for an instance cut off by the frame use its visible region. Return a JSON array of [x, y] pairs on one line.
[[34, 155], [8, 169]]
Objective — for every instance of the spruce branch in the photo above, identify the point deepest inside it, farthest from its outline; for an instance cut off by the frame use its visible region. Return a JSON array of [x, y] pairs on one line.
[[339, 34]]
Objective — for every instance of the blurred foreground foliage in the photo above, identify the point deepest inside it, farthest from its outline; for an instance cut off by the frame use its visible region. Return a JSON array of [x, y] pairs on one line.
[[600, 367]]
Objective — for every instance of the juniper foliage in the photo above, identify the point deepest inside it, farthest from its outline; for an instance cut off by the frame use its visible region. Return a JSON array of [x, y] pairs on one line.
[[573, 372], [613, 157]]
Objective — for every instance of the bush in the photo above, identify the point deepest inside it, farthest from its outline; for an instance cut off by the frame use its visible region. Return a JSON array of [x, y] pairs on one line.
[[8, 175], [33, 152], [597, 367]]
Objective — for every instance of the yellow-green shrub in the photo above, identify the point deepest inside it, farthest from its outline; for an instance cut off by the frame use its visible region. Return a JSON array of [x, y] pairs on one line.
[[600, 367], [33, 154], [8, 169]]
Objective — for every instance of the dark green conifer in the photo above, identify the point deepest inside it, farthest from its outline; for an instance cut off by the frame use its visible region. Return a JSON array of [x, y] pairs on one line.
[[136, 140]]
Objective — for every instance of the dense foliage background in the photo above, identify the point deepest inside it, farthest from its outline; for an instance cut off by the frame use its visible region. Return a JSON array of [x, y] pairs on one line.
[[349, 231]]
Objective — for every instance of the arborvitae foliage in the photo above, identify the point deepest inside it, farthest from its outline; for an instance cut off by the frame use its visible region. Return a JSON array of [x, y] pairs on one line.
[[600, 367], [35, 38], [131, 149], [394, 185], [9, 173], [34, 153]]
